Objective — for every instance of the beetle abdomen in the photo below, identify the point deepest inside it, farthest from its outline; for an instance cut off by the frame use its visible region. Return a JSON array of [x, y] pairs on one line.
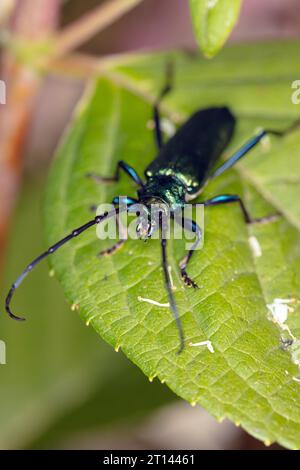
[[195, 148]]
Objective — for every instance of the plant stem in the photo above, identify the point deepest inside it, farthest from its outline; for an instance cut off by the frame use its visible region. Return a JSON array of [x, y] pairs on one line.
[[91, 23], [6, 8], [34, 19]]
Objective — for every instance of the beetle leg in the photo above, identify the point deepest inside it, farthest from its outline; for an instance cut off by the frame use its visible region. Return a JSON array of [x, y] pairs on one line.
[[129, 201], [112, 249], [156, 114], [192, 227], [110, 179], [229, 198], [241, 152]]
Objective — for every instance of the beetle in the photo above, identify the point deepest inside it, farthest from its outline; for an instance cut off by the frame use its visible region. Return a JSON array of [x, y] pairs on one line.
[[183, 167]]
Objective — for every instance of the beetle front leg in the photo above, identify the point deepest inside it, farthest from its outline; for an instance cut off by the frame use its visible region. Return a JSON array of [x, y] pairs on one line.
[[191, 226]]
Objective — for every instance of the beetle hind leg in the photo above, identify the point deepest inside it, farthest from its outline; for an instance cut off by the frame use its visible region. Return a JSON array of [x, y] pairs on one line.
[[250, 144], [230, 198]]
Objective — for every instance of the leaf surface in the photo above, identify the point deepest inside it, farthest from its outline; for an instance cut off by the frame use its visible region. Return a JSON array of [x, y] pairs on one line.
[[250, 378]]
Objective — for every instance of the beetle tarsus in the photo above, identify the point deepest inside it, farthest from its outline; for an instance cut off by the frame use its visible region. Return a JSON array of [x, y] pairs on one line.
[[265, 220], [109, 251], [187, 280]]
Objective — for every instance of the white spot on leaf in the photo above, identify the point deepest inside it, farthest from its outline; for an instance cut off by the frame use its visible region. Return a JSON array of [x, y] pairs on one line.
[[204, 343], [168, 127], [255, 246], [153, 302], [211, 4], [279, 309], [171, 278]]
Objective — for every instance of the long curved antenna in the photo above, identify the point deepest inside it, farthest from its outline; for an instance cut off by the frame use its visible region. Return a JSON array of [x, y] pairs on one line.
[[50, 251], [172, 302]]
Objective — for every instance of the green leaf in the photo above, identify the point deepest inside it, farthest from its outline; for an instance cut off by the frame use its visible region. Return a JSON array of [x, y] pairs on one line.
[[213, 21], [250, 378]]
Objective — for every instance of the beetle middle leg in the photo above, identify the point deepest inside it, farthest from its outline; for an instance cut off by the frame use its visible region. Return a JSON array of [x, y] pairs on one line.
[[119, 243], [230, 198], [110, 179], [191, 226], [129, 201]]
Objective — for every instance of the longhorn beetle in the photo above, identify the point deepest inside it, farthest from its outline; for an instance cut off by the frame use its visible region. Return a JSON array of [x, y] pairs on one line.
[[182, 168]]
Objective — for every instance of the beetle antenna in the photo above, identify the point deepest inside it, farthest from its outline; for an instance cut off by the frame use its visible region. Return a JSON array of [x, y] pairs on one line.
[[169, 286], [50, 251]]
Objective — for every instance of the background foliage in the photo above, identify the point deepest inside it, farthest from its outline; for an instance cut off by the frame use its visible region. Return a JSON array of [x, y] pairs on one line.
[[213, 21]]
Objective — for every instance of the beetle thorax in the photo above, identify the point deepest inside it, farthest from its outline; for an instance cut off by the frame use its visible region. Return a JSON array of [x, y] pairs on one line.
[[163, 190]]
